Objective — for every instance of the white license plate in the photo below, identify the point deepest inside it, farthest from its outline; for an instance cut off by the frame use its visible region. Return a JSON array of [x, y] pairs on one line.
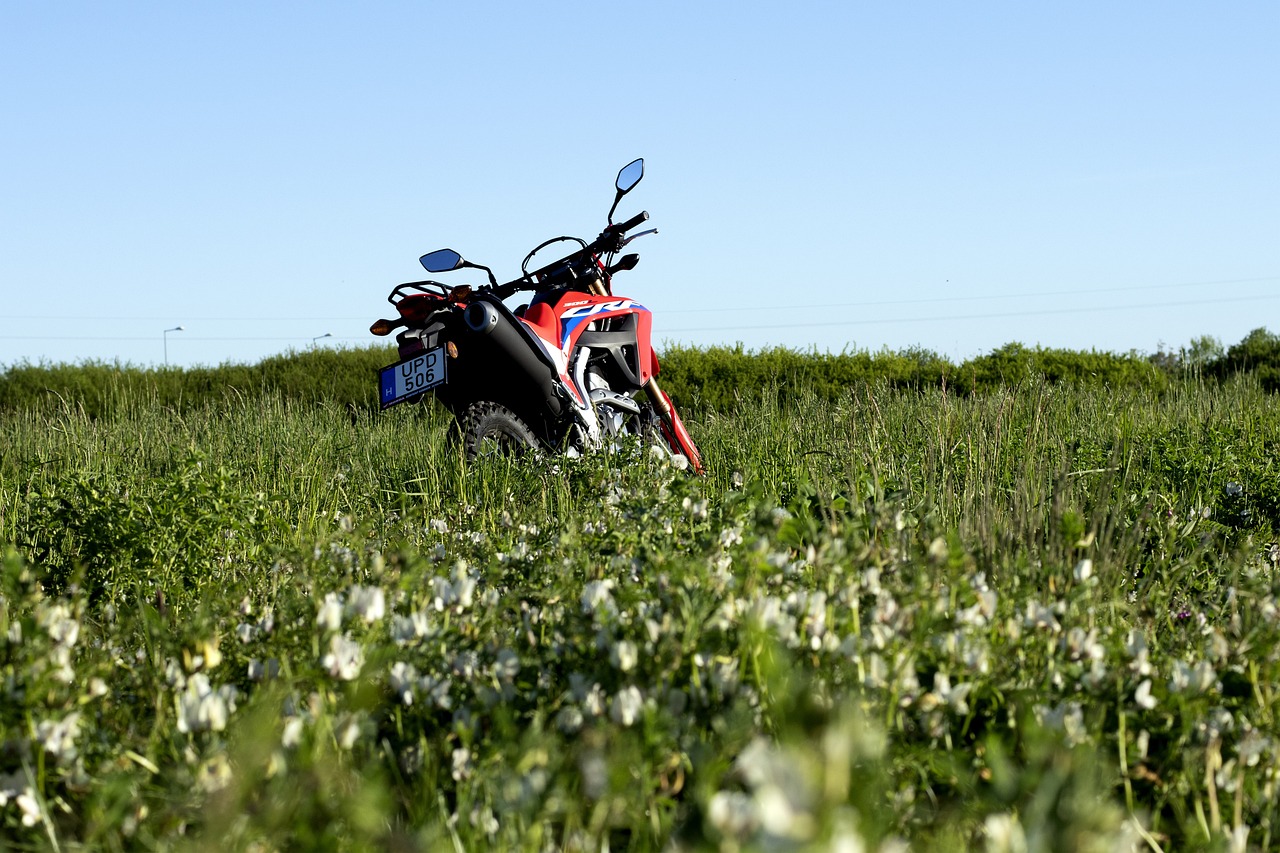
[[411, 377]]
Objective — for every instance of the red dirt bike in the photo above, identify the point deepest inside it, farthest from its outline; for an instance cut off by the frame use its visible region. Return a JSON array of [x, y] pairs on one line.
[[560, 374]]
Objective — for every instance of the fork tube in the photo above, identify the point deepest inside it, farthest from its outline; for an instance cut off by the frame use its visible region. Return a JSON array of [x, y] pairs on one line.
[[655, 395]]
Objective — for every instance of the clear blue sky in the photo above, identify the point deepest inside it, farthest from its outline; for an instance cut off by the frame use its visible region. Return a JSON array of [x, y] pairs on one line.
[[954, 176]]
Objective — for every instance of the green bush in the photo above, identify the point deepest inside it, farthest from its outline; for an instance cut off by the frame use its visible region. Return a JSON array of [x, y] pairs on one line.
[[1259, 354], [717, 378]]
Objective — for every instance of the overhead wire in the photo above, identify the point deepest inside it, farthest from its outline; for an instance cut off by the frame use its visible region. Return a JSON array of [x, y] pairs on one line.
[[991, 315], [719, 309]]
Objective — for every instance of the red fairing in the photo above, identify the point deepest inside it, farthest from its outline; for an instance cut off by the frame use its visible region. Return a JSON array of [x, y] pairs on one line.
[[543, 320], [573, 312]]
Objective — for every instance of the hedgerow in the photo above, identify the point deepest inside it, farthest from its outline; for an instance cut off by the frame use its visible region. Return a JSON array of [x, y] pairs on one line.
[[718, 378]]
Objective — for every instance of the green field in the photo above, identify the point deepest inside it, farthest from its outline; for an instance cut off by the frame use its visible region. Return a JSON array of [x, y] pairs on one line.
[[1039, 614]]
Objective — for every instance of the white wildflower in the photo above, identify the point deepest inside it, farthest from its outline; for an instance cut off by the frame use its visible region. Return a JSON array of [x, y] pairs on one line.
[[58, 737], [435, 691], [1192, 678], [1135, 647], [292, 733], [465, 664], [1252, 747], [59, 622], [462, 765], [626, 706], [1142, 696], [594, 701], [944, 694], [597, 598], [404, 677], [31, 814], [624, 655], [1039, 616], [367, 602], [347, 730], [1083, 570], [214, 774], [731, 536], [59, 661], [1216, 723], [202, 708], [1082, 645], [456, 592], [569, 719], [1004, 834], [732, 813], [345, 658], [329, 618], [506, 666], [1097, 676], [1067, 718], [411, 628], [877, 672], [439, 525], [696, 509]]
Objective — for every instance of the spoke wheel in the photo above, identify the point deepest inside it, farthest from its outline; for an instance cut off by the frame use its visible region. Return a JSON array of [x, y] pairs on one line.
[[490, 429]]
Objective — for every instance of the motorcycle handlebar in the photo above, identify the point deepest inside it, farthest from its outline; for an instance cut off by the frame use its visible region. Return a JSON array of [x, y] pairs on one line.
[[613, 231], [642, 216]]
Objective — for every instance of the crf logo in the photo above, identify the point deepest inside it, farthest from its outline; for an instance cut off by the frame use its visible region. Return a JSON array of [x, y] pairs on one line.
[[598, 308]]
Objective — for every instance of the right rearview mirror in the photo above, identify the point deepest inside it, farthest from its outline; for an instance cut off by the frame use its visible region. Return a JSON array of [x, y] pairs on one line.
[[630, 175]]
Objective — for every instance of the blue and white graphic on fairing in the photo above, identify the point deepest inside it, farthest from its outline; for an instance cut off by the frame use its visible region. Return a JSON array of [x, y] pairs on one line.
[[575, 317]]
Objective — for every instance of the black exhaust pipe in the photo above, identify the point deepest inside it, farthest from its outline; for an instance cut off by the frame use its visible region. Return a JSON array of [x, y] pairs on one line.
[[504, 333]]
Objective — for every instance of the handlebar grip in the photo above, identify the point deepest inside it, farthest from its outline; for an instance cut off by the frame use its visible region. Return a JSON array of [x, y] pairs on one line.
[[632, 222]]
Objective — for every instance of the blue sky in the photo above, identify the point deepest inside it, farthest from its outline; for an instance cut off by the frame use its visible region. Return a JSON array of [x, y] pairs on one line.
[[831, 175]]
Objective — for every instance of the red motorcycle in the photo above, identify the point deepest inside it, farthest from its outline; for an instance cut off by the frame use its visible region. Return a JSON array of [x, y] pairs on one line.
[[560, 374]]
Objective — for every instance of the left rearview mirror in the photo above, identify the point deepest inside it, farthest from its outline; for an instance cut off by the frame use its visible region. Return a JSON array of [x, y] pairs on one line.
[[441, 260]]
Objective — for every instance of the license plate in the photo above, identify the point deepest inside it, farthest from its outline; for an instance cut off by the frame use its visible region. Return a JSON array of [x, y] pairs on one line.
[[411, 377]]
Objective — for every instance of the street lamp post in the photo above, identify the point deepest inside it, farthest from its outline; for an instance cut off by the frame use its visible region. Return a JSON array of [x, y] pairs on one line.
[[318, 337], [166, 342]]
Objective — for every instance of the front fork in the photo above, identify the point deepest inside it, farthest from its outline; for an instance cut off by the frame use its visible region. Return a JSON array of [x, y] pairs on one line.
[[677, 436]]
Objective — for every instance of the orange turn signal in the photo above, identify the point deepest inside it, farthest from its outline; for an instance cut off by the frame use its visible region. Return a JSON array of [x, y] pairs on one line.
[[382, 328]]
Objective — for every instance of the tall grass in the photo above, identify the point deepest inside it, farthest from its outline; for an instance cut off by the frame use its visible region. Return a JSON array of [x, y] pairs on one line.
[[1045, 615]]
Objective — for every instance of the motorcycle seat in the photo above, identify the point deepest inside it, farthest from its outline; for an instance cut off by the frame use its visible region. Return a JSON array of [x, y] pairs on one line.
[[542, 320]]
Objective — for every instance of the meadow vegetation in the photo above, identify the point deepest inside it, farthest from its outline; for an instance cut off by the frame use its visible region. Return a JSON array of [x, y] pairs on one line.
[[1030, 611]]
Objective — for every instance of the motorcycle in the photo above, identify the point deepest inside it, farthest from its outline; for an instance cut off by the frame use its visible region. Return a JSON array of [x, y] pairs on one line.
[[563, 373]]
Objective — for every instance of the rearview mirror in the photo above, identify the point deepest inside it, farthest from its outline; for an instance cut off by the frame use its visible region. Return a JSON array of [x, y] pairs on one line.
[[441, 260], [630, 175]]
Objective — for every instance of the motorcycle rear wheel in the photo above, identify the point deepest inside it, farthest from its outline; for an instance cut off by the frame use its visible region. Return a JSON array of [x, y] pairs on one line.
[[490, 428]]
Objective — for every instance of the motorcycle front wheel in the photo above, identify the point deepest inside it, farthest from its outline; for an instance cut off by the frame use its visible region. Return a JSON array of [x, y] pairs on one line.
[[491, 428]]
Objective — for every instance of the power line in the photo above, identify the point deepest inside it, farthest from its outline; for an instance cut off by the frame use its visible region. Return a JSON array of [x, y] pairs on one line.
[[937, 299], [955, 317], [719, 310], [1091, 309], [153, 338]]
